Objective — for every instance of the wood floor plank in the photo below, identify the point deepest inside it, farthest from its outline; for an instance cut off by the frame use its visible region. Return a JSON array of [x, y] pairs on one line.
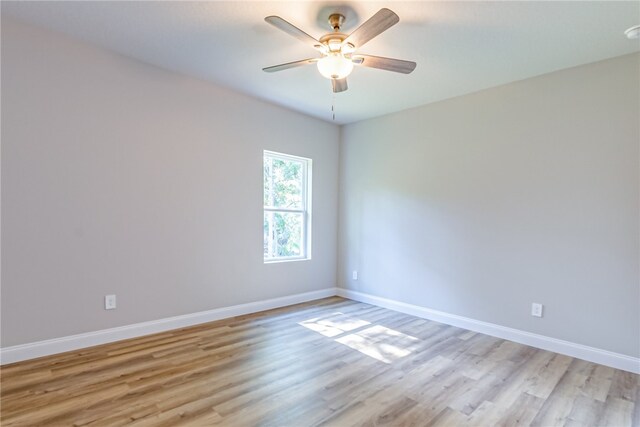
[[617, 412], [331, 362]]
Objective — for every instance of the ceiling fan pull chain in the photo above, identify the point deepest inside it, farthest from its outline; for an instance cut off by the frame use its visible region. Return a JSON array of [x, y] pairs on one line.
[[333, 108]]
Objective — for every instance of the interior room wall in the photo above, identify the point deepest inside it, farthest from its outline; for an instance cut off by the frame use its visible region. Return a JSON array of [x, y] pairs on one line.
[[480, 205], [122, 178]]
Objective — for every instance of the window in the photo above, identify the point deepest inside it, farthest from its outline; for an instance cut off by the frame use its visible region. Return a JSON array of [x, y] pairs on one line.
[[287, 202]]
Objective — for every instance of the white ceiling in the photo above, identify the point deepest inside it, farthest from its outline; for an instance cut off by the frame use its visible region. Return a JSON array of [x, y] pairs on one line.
[[460, 47]]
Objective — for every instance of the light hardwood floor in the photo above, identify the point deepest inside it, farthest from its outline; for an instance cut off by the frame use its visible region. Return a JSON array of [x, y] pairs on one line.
[[330, 362]]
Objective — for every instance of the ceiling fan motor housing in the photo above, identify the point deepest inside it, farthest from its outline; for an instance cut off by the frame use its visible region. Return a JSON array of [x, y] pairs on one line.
[[333, 41]]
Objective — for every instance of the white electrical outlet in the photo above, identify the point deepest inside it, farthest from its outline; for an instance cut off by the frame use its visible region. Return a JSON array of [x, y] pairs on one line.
[[109, 302], [354, 275], [536, 309]]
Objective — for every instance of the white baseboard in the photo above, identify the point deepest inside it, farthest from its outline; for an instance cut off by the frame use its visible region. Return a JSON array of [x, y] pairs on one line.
[[74, 342], [591, 354]]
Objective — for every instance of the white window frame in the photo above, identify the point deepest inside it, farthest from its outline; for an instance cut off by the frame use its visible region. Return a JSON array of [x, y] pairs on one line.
[[305, 210]]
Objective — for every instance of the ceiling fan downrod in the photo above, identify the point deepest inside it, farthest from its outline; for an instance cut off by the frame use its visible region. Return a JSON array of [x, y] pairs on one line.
[[335, 21]]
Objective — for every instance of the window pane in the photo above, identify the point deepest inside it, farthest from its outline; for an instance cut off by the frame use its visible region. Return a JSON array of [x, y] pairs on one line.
[[267, 180], [268, 221], [283, 234], [283, 182]]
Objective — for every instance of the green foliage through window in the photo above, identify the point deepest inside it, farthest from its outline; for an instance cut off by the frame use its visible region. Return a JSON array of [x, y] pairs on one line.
[[285, 203]]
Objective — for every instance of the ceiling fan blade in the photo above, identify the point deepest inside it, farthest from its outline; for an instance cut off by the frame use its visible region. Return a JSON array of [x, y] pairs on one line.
[[294, 31], [389, 64], [288, 65], [339, 85], [381, 21]]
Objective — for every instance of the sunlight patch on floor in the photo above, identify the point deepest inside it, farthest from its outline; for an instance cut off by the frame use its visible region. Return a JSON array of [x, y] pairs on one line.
[[377, 341], [334, 325], [381, 343]]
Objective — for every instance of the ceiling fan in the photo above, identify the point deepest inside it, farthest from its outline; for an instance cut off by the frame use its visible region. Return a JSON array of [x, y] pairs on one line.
[[338, 49]]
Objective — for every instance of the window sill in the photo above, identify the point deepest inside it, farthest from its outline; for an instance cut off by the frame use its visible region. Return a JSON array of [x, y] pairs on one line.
[[281, 260]]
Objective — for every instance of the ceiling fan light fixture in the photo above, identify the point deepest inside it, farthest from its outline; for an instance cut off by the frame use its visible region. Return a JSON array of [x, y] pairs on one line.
[[633, 32], [335, 45], [335, 66], [347, 48]]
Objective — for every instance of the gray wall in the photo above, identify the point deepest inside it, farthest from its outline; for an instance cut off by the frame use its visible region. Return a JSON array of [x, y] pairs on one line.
[[482, 204], [119, 177]]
